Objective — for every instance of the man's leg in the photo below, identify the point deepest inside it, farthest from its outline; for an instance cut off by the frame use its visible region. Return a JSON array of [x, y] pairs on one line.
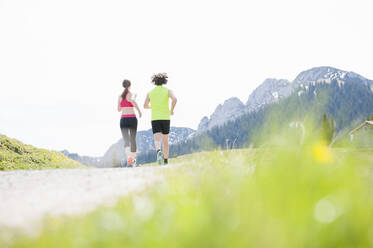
[[165, 132], [157, 132], [157, 141], [165, 145]]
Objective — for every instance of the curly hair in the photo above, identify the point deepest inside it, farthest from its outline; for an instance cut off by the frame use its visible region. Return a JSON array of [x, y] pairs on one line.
[[160, 78]]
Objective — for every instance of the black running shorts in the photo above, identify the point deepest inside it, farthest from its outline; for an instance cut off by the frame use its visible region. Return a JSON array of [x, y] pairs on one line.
[[128, 122], [161, 126]]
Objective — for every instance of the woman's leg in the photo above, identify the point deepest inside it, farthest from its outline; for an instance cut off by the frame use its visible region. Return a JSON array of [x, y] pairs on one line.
[[133, 132], [126, 138]]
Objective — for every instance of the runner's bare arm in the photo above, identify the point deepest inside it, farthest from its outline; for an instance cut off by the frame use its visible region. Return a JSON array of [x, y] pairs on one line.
[[132, 100], [119, 100], [174, 100], [146, 103]]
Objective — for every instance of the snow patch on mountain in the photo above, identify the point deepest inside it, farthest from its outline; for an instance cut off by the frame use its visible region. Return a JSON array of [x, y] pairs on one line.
[[326, 74]]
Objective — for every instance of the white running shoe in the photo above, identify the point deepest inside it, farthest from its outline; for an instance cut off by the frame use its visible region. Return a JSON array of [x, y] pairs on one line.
[[159, 157]]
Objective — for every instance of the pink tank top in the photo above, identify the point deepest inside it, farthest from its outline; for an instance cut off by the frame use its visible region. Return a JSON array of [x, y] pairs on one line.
[[125, 103]]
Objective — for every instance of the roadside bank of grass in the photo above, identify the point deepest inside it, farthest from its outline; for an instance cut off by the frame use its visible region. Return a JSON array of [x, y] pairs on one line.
[[15, 155]]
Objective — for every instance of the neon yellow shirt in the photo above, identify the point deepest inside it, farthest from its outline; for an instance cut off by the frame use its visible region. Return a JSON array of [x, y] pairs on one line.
[[159, 101]]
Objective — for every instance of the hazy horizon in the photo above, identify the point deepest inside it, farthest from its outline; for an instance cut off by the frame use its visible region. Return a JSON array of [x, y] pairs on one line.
[[63, 62]]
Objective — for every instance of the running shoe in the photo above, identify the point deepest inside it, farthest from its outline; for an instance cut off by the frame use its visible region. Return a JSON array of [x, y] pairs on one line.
[[159, 157], [130, 162]]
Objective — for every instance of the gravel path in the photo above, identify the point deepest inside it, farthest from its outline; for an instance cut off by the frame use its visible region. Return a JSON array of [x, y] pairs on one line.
[[27, 196]]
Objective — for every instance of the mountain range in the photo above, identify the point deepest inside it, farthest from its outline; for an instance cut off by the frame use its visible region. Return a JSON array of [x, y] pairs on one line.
[[272, 90]]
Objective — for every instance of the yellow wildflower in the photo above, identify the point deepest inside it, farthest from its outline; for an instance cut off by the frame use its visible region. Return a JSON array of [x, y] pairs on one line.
[[322, 153]]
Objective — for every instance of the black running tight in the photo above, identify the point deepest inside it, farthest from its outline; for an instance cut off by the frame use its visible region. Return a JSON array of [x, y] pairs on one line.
[[128, 126]]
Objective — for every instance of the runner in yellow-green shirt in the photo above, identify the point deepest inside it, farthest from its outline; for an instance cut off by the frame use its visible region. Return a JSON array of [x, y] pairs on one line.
[[158, 98]]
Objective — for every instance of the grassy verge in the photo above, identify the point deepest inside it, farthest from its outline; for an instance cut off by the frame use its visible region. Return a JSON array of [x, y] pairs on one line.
[[295, 197], [16, 155]]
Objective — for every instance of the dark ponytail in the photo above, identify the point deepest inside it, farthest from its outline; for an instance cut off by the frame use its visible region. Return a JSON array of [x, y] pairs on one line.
[[126, 83]]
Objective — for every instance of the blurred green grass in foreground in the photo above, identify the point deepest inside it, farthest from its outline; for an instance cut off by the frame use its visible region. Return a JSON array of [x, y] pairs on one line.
[[298, 196]]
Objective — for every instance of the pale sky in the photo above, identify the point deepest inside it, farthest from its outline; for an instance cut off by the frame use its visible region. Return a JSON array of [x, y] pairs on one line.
[[62, 62]]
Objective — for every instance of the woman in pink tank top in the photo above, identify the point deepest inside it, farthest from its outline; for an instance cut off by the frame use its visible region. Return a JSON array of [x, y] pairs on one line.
[[128, 122]]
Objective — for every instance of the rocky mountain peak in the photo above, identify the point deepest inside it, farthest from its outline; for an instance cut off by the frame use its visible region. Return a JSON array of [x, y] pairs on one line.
[[271, 90], [319, 73], [273, 82], [203, 123], [230, 109], [326, 74], [232, 102]]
